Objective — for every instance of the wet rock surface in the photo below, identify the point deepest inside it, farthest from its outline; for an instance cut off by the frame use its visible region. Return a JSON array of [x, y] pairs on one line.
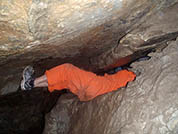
[[149, 105]]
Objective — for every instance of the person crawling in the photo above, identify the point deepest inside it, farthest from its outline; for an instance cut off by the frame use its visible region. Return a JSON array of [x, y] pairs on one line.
[[86, 85]]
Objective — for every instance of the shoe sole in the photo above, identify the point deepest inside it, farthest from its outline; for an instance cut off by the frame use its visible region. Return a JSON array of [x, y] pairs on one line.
[[22, 85]]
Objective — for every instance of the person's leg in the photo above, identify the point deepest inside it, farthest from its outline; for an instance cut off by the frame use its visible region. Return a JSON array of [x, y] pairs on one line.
[[29, 81], [41, 81], [50, 79]]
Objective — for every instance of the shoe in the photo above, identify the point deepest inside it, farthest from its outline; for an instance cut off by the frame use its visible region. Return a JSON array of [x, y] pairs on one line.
[[117, 69], [28, 80]]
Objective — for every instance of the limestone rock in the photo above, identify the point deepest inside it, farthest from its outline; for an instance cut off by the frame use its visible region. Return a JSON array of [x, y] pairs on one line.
[[149, 105]]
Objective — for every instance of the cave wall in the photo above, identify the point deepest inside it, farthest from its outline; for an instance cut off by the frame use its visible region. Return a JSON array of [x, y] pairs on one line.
[[149, 105], [89, 34], [64, 28], [163, 21], [93, 34]]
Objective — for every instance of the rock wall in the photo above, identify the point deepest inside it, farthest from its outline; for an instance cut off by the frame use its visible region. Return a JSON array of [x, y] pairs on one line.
[[93, 34], [63, 28], [90, 34], [149, 105], [33, 30], [162, 22]]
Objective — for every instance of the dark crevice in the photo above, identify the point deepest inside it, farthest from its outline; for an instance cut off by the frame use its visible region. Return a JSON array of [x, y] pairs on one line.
[[23, 112]]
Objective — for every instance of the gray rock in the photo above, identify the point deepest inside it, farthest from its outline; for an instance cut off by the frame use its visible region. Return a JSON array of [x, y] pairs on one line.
[[11, 84]]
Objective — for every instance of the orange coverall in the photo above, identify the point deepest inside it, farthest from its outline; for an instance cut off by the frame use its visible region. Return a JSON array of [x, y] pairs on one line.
[[86, 85]]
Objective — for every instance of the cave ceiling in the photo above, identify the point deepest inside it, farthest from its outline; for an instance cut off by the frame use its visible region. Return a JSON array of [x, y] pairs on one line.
[[91, 34]]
